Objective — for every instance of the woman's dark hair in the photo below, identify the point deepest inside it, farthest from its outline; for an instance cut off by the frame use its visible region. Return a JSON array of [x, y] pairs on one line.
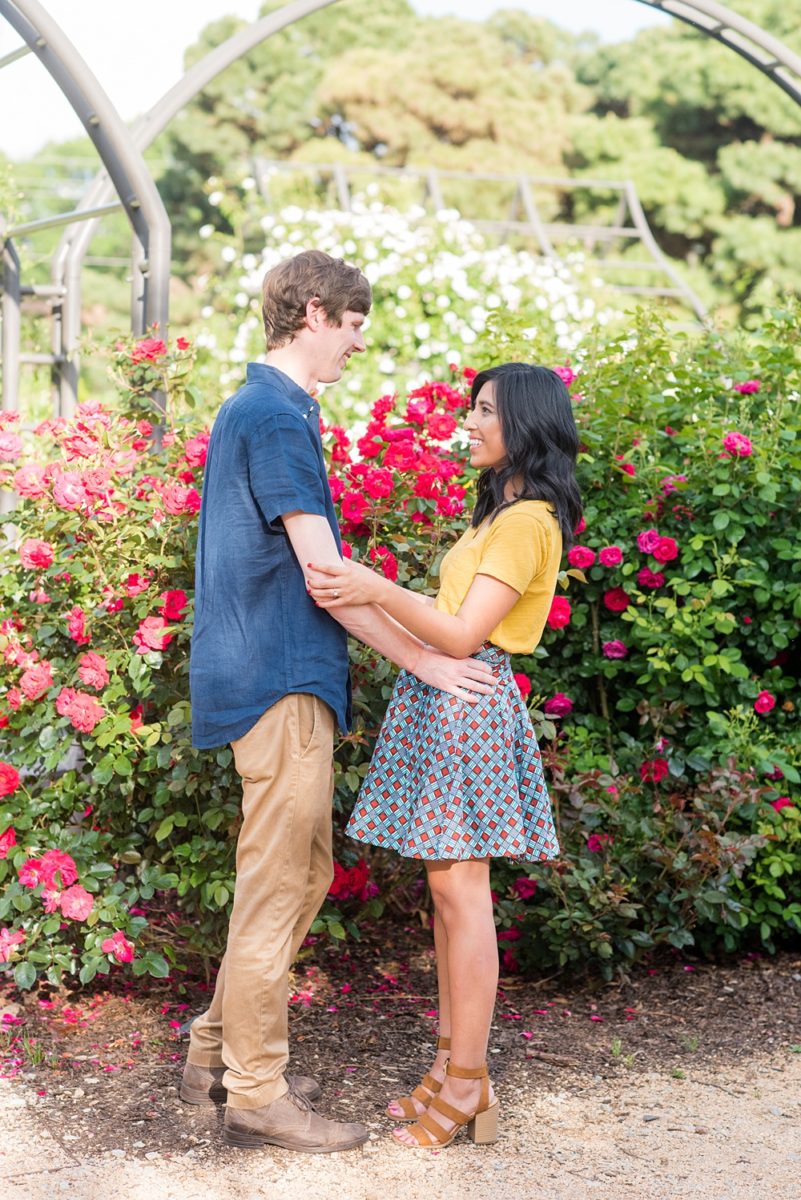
[[541, 440]]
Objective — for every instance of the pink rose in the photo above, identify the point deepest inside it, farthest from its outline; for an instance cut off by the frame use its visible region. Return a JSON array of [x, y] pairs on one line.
[[615, 649], [9, 779], [597, 842], [582, 525], [781, 802], [36, 555], [118, 946], [581, 557], [37, 680], [68, 490], [565, 374], [616, 599], [665, 550], [559, 705], [10, 446], [31, 482], [764, 702], [670, 483], [738, 445], [92, 670], [8, 941], [648, 541], [7, 841], [610, 556], [748, 388], [152, 634], [524, 685], [76, 903], [559, 613]]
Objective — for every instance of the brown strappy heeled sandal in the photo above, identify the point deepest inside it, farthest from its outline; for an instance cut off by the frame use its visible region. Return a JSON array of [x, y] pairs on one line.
[[424, 1093], [482, 1124]]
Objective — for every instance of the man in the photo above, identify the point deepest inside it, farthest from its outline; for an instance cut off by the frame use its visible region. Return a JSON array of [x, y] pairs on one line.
[[269, 674]]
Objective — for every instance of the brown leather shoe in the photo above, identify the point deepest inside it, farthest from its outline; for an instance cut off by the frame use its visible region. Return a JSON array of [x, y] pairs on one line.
[[291, 1122], [203, 1086]]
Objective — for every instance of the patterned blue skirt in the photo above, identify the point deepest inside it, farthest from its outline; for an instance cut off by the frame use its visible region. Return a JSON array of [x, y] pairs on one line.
[[450, 780]]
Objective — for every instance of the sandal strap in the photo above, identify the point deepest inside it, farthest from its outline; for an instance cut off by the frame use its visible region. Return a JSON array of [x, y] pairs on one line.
[[428, 1087], [443, 1043], [406, 1104], [453, 1114], [421, 1135], [434, 1131], [466, 1072]]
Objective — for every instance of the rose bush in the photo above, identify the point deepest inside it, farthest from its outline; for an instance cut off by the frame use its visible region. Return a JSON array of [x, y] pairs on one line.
[[663, 691]]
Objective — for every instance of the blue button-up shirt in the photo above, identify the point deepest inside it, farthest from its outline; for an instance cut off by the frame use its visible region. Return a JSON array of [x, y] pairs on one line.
[[257, 635]]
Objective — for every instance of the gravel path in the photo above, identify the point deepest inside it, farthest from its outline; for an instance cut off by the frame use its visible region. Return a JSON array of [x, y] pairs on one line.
[[722, 1132]]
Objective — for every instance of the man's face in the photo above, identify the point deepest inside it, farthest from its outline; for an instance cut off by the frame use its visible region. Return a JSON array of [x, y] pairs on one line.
[[334, 345]]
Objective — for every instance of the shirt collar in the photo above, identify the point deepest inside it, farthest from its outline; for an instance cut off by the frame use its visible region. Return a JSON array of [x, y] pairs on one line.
[[262, 373]]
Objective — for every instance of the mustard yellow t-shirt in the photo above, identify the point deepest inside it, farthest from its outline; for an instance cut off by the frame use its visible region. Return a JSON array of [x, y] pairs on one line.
[[522, 547]]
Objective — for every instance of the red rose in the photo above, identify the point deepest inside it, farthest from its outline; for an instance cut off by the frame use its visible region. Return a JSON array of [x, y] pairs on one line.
[[647, 578], [76, 625], [665, 550], [559, 705], [37, 680], [616, 599], [7, 841], [764, 702], [9, 779], [524, 685], [654, 770], [118, 945], [152, 635], [377, 482], [441, 426], [148, 350], [610, 556], [182, 343], [196, 449], [386, 561], [135, 584], [353, 506], [92, 670], [559, 613], [83, 711], [581, 557], [173, 605]]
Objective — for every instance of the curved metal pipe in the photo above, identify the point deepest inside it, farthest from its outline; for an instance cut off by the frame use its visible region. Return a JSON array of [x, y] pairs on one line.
[[68, 259], [128, 173]]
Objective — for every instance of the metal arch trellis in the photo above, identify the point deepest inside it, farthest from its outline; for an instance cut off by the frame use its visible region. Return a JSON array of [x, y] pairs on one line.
[[120, 152], [127, 172]]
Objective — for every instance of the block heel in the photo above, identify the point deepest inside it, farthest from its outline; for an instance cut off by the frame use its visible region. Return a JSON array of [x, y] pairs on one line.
[[481, 1123], [483, 1129]]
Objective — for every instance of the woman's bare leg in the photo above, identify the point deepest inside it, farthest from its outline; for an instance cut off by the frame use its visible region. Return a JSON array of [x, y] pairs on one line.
[[463, 905]]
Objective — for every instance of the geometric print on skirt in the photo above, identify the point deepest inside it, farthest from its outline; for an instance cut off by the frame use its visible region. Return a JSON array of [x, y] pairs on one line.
[[450, 780]]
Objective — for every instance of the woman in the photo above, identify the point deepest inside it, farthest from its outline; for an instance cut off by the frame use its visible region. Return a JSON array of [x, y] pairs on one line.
[[457, 784]]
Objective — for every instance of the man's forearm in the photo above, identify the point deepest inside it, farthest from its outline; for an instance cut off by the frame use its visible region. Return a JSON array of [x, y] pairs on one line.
[[371, 625]]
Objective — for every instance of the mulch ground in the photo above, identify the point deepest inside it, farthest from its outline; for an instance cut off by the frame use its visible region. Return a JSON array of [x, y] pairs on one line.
[[106, 1063]]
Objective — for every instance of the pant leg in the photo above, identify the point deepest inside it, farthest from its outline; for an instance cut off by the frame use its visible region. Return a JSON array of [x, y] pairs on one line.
[[284, 870]]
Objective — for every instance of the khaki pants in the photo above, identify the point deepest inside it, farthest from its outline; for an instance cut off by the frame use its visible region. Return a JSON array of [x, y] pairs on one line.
[[283, 872]]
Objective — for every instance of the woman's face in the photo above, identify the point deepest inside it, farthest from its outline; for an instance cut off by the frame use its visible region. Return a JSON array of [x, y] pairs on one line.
[[483, 427]]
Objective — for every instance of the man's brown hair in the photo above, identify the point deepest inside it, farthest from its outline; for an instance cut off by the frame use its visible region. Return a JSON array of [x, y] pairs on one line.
[[289, 286]]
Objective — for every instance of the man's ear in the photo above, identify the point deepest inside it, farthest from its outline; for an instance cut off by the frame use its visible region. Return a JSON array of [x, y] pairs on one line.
[[315, 313]]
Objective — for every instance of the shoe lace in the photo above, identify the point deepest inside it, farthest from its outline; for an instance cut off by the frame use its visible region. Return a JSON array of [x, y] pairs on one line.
[[298, 1099]]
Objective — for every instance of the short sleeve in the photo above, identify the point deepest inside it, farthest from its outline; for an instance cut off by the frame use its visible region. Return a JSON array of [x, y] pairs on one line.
[[285, 470], [516, 548]]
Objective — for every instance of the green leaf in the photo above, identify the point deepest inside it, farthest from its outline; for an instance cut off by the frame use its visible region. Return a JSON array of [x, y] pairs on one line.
[[25, 975]]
